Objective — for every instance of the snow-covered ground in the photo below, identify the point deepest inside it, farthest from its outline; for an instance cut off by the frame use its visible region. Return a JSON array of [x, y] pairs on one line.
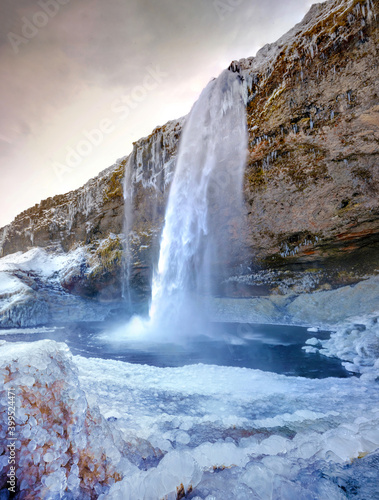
[[31, 291], [236, 433], [358, 345], [137, 432]]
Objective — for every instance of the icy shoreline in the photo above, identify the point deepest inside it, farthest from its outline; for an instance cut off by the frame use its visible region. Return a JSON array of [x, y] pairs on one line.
[[134, 431]]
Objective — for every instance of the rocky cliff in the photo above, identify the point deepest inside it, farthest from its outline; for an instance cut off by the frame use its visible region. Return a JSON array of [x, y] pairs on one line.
[[311, 212], [312, 177], [93, 217]]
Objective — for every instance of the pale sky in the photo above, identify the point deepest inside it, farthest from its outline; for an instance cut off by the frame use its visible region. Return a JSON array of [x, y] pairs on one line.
[[82, 79]]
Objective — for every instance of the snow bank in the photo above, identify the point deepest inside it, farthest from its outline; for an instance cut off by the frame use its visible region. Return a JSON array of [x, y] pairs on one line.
[[251, 434], [322, 309], [47, 265]]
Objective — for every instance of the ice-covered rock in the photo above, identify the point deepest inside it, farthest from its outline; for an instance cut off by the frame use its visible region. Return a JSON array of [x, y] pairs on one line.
[[34, 286], [357, 344], [176, 474], [62, 444], [326, 308]]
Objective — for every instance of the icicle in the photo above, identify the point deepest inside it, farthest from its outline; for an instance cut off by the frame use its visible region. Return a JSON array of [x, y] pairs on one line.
[[128, 189]]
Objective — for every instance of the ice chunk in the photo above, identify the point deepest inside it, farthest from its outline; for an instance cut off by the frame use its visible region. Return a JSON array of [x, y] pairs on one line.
[[177, 471], [312, 341]]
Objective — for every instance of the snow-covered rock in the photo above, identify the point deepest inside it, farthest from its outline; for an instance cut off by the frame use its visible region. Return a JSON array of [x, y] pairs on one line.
[[33, 288], [326, 308], [357, 344]]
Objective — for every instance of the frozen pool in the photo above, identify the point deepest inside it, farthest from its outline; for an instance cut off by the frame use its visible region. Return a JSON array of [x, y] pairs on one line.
[[274, 348]]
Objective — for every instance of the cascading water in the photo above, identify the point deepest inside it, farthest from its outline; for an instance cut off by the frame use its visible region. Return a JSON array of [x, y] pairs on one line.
[[203, 212]]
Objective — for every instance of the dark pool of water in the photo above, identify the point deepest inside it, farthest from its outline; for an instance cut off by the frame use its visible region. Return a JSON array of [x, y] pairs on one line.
[[273, 348]]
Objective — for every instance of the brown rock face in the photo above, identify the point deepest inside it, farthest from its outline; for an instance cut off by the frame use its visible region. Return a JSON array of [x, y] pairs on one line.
[[311, 182], [312, 177], [78, 217]]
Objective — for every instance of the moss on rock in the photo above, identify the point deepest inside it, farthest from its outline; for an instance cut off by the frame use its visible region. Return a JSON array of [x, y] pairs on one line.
[[114, 188]]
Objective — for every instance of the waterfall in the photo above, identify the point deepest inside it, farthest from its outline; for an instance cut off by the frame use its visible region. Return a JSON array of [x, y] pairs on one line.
[[203, 211]]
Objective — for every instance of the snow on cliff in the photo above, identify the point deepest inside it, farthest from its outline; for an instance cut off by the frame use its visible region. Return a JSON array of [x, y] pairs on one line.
[[31, 291]]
